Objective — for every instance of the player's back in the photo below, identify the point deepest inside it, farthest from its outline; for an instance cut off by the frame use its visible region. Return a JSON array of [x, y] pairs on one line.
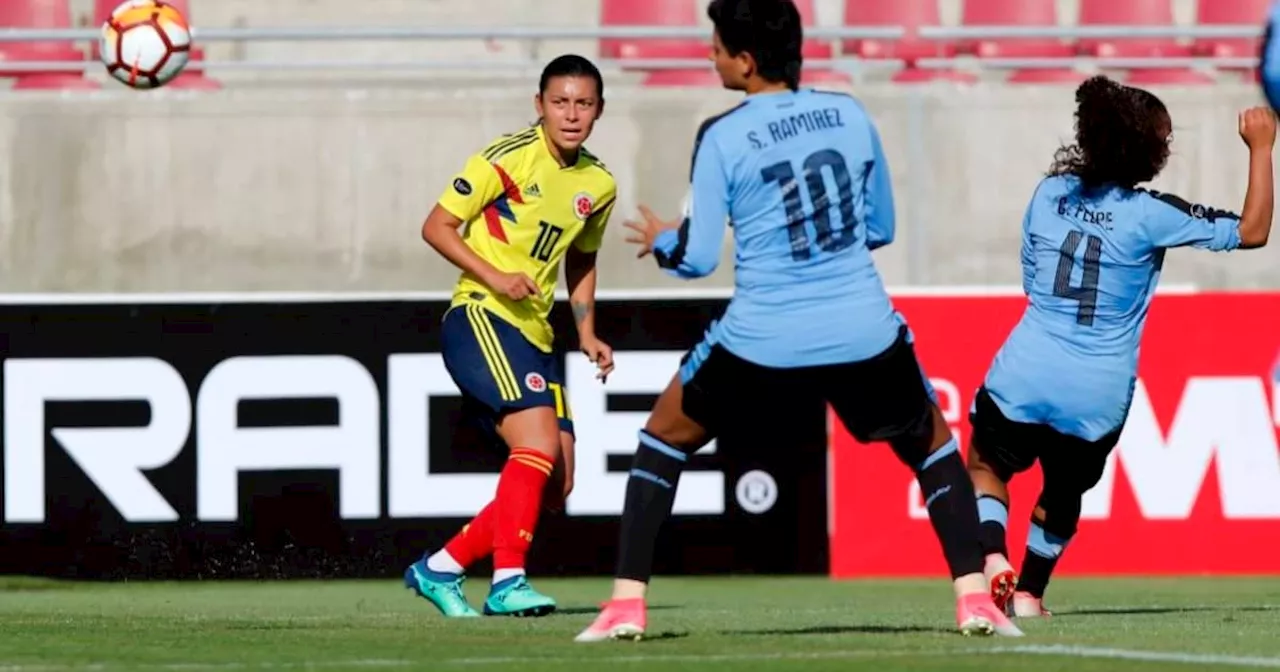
[[1091, 263], [808, 188]]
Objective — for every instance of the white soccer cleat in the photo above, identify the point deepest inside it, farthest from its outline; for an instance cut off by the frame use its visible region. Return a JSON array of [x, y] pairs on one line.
[[1026, 605]]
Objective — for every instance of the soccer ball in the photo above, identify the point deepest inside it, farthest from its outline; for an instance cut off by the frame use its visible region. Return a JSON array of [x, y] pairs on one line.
[[145, 43]]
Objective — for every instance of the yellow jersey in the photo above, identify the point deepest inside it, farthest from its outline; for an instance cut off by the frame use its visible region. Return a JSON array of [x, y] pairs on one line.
[[522, 210]]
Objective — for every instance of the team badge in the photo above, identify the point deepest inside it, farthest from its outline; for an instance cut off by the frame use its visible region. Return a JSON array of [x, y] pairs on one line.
[[535, 382], [462, 186], [583, 205]]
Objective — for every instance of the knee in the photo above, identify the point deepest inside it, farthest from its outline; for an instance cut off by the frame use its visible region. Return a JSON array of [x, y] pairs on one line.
[[666, 432], [925, 442], [981, 467], [1059, 511], [535, 428]]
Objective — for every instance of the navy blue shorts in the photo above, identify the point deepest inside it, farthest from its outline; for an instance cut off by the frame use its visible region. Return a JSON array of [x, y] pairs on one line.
[[498, 369]]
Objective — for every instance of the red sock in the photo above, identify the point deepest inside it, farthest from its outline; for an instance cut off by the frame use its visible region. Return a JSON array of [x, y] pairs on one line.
[[517, 506], [475, 541]]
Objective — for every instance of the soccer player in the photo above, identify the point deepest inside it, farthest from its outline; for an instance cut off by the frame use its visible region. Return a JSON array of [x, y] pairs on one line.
[[802, 177], [1093, 244], [1269, 70], [529, 200]]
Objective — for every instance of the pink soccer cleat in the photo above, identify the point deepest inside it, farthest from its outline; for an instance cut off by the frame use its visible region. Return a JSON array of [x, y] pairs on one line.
[[1026, 605], [976, 614], [618, 619]]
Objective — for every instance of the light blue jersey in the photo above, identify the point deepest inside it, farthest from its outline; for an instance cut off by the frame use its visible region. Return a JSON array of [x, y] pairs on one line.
[[1270, 66], [1089, 268], [802, 180]]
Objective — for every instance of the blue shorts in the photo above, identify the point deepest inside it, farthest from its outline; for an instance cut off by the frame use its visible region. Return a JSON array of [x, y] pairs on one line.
[[498, 369]]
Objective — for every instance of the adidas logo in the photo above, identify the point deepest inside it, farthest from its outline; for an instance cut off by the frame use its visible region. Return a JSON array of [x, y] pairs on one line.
[[534, 191]]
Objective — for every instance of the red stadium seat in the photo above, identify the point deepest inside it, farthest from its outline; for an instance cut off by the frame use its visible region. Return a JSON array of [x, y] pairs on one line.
[[909, 14], [192, 76], [1020, 13], [657, 13], [818, 50], [1233, 12], [40, 14], [1138, 13]]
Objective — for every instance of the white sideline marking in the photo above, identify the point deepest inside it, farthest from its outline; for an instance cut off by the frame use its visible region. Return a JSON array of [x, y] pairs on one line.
[[1032, 649], [1146, 656], [1176, 657]]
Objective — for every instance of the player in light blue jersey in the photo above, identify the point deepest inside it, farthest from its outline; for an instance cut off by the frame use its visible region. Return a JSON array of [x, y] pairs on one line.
[[1093, 244], [1269, 70], [801, 179]]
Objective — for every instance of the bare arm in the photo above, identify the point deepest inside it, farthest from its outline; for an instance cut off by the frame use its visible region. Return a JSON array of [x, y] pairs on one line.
[[580, 276], [441, 233], [1258, 128]]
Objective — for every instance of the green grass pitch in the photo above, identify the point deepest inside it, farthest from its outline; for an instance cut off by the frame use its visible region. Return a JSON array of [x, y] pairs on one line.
[[729, 623]]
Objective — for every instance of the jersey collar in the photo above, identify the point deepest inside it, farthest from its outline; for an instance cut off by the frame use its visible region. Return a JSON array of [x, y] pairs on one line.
[[545, 147]]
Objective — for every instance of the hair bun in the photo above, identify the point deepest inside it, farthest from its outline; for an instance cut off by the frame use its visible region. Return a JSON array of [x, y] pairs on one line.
[[1095, 88]]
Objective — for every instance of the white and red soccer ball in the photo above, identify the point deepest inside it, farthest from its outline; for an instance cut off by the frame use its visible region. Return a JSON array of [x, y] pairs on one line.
[[145, 43]]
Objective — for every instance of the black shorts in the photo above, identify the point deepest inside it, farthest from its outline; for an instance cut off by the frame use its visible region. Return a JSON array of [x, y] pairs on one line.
[[877, 399], [1010, 447]]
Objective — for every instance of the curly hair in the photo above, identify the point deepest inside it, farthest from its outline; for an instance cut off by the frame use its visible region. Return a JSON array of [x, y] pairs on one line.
[[1121, 136]]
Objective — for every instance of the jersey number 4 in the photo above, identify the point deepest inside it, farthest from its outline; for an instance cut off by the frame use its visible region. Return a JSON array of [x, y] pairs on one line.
[[829, 239], [1087, 292]]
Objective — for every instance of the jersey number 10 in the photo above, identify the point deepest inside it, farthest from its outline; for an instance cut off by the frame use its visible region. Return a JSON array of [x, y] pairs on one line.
[[829, 239], [548, 236], [1087, 293]]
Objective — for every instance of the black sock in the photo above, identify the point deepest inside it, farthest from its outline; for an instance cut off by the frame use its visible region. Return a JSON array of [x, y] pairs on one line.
[[953, 509], [651, 492], [1043, 550], [994, 516]]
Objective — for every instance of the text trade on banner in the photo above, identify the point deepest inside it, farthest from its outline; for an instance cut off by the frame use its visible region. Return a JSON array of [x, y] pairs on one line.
[[1193, 487], [247, 437]]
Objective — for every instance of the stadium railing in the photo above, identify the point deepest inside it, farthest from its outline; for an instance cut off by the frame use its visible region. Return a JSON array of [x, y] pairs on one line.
[[847, 64]]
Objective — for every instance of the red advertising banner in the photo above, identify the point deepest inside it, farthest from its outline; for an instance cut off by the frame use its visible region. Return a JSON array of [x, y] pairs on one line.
[[1193, 487]]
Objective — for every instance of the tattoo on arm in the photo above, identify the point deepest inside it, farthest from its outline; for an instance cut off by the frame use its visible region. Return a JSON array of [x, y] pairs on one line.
[[580, 311]]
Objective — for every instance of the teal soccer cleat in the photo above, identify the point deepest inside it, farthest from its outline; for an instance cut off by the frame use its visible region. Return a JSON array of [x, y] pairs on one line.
[[441, 589], [515, 597]]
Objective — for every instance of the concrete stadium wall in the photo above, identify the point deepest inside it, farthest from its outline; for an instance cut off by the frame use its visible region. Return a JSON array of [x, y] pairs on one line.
[[281, 189]]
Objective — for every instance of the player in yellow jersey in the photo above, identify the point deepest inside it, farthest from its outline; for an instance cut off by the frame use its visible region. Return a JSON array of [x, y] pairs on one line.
[[528, 200]]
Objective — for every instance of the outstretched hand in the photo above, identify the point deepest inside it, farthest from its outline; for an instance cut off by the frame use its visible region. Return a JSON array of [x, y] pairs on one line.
[[647, 231]]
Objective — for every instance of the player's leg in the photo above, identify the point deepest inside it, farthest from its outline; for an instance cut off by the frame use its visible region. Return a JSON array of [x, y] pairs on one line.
[[669, 437], [500, 371], [999, 449], [561, 481], [1071, 467], [534, 436], [886, 398]]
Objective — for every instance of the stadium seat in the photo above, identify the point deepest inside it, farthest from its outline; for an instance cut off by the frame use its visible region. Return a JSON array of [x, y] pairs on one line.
[[1020, 13], [909, 14], [40, 14], [1234, 12], [818, 50], [615, 13], [1138, 13], [192, 76]]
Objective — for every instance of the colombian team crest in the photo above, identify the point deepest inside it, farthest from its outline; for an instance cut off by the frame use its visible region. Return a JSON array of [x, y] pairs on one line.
[[583, 205], [535, 382]]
